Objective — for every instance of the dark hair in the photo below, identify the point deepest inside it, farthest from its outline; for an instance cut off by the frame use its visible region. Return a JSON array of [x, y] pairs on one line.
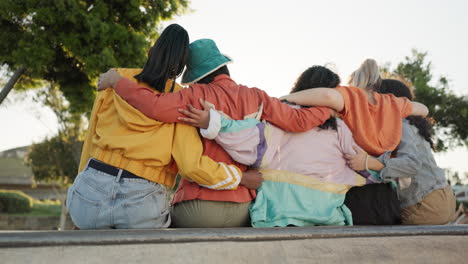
[[210, 77], [399, 89], [166, 59], [315, 77]]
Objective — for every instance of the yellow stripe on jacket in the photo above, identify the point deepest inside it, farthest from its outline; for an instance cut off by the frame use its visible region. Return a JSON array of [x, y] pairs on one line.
[[309, 182], [123, 137]]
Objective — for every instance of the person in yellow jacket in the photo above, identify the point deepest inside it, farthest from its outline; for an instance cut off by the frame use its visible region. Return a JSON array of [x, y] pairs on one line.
[[128, 158]]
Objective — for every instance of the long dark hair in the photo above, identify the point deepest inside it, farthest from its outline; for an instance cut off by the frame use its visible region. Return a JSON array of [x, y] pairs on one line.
[[210, 77], [315, 77], [166, 59], [399, 89]]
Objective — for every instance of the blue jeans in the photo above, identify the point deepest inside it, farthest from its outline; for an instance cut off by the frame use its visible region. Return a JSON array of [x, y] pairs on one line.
[[97, 200]]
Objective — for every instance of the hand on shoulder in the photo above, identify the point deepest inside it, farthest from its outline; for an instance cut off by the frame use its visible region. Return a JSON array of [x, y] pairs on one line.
[[108, 79]]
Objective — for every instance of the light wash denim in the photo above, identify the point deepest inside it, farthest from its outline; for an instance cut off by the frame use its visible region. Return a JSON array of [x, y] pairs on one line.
[[414, 160], [97, 200]]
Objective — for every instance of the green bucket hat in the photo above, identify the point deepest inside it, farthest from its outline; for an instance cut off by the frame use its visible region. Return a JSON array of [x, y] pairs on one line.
[[204, 58]]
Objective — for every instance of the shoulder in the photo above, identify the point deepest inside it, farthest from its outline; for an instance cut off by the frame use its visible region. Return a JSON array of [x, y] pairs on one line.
[[349, 89], [392, 98], [340, 123], [342, 127], [408, 130], [349, 92]]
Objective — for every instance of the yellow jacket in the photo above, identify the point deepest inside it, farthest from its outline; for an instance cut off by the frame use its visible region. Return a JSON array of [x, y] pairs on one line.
[[123, 137]]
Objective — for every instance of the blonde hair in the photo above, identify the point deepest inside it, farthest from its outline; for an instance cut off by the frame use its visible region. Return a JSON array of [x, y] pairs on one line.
[[367, 76]]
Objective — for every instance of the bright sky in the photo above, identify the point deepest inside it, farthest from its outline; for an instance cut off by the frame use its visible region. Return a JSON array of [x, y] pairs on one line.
[[272, 42]]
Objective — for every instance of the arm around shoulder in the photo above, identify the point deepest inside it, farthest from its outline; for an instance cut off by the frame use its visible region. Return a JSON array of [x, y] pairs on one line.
[[317, 97]]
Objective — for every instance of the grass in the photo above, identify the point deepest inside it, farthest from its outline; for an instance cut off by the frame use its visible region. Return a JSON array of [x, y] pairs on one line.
[[46, 208], [43, 208]]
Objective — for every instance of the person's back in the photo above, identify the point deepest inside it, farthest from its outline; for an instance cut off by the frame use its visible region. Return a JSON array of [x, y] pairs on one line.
[[229, 98], [306, 176], [123, 172], [118, 133], [318, 153], [374, 119], [428, 199], [128, 158], [238, 102]]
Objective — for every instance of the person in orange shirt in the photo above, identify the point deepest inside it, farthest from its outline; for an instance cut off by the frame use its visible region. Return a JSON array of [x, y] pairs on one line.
[[374, 119], [376, 123], [209, 79], [128, 159]]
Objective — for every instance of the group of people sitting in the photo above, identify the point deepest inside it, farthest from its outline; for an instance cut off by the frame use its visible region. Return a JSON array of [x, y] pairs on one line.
[[325, 154]]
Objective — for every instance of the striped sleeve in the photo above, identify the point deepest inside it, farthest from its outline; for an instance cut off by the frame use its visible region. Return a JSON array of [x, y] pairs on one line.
[[187, 152], [243, 140]]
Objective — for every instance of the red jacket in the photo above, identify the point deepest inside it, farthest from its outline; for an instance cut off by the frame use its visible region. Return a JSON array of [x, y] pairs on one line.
[[236, 101]]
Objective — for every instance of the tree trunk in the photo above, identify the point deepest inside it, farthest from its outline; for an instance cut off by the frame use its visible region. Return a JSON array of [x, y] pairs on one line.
[[6, 90], [63, 215], [61, 193]]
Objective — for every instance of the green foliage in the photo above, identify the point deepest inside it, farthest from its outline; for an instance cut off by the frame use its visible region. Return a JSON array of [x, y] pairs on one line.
[[70, 42], [15, 202], [46, 208], [55, 160], [19, 203], [449, 111]]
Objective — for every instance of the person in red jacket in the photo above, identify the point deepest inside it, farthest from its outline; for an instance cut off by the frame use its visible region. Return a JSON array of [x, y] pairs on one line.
[[209, 79]]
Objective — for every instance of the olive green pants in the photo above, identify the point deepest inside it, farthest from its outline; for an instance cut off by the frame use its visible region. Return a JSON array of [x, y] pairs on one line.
[[206, 214], [437, 208]]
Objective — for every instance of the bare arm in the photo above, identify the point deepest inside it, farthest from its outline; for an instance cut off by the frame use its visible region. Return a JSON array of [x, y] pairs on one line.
[[419, 109], [158, 106], [317, 97], [240, 138]]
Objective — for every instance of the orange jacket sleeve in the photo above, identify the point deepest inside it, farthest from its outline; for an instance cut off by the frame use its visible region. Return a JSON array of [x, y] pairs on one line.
[[163, 107]]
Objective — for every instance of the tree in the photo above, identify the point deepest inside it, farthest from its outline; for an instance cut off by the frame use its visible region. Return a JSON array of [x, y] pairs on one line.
[[56, 160], [70, 42], [449, 111]]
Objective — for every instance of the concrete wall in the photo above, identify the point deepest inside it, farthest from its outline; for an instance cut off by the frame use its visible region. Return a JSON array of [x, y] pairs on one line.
[[423, 249], [415, 244]]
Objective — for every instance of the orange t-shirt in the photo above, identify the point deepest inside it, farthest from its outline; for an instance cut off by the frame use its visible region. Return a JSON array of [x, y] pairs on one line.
[[376, 127]]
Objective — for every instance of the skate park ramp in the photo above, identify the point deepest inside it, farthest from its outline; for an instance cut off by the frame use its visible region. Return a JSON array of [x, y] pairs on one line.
[[357, 244]]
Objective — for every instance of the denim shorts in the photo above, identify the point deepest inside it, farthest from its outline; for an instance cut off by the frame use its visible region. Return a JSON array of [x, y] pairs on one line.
[[97, 200]]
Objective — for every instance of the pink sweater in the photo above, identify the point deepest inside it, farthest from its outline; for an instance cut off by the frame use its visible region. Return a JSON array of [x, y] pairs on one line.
[[317, 153]]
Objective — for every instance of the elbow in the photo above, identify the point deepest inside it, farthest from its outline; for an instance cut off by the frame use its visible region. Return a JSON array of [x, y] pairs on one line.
[[329, 97], [189, 173], [420, 109], [334, 100], [414, 166], [425, 111]]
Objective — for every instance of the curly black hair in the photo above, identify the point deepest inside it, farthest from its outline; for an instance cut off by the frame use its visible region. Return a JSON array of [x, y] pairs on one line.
[[315, 77]]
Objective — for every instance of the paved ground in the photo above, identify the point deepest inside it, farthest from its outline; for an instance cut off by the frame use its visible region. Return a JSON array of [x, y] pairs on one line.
[[429, 244]]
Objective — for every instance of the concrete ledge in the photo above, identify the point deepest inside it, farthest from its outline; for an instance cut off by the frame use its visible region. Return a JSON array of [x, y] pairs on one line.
[[11, 239]]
